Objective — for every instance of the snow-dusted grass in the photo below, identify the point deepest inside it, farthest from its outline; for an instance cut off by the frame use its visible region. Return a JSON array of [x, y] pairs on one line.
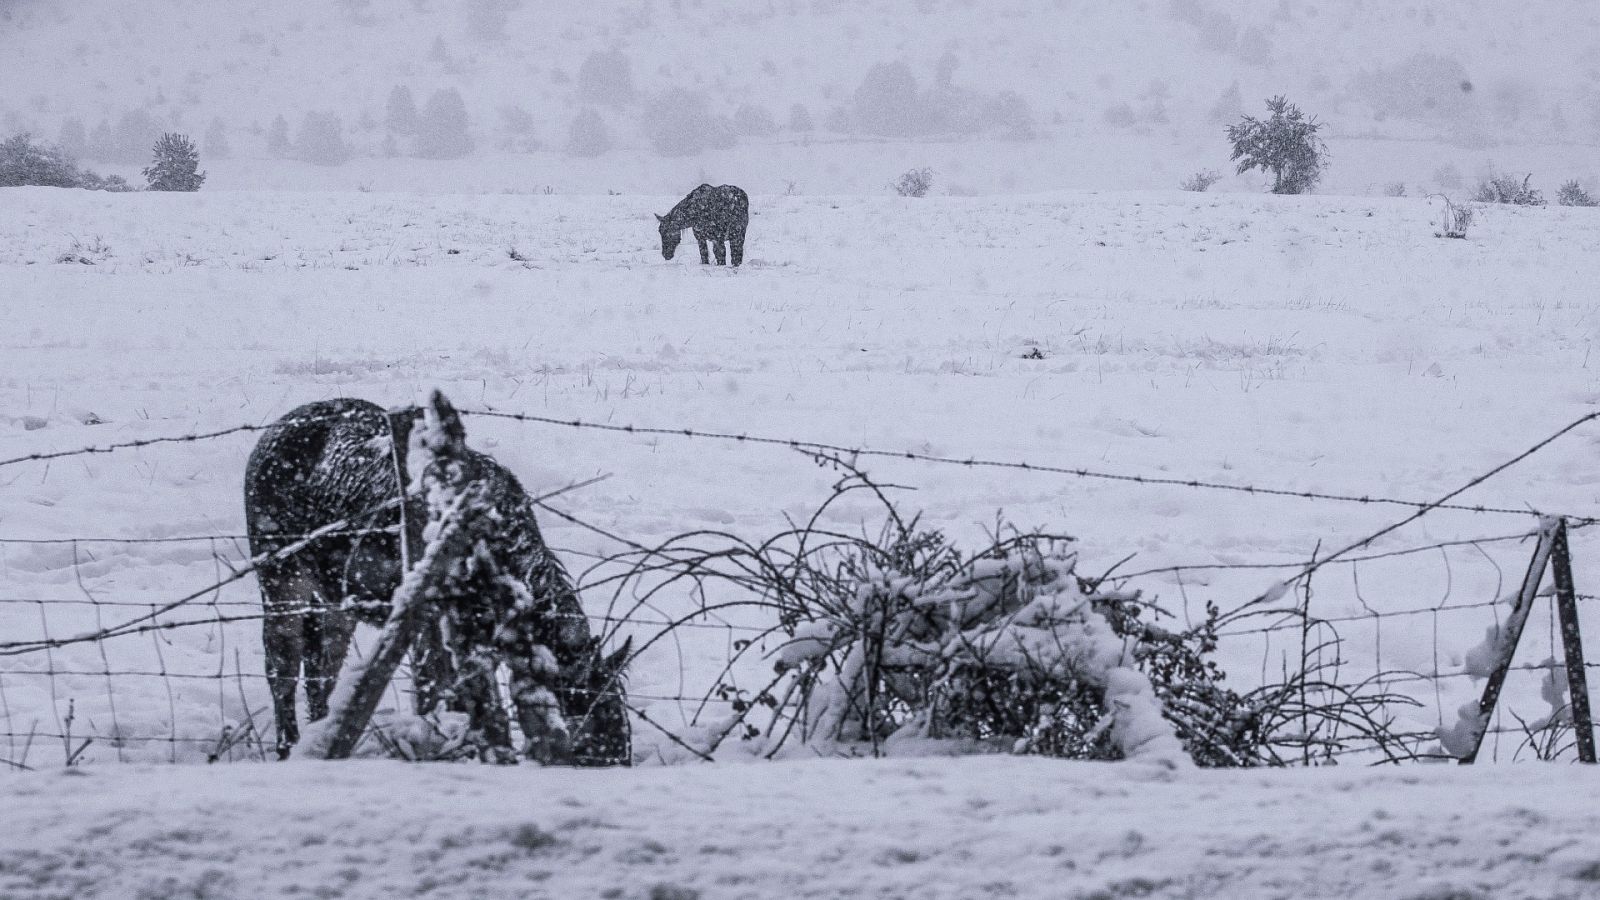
[[935, 829], [1326, 344]]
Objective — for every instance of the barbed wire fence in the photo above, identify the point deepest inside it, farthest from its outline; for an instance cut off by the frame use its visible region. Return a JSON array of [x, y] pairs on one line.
[[105, 673]]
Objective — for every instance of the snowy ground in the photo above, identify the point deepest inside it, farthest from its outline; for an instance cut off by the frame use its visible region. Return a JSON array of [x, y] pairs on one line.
[[952, 828], [1314, 343], [1321, 344]]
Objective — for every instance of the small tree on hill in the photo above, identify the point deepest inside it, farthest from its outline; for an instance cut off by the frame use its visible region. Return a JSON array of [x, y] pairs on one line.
[[176, 166], [1285, 144]]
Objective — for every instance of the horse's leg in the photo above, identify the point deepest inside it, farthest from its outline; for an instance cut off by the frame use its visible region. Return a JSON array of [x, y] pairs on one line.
[[544, 729], [328, 637], [476, 694], [535, 673], [736, 247], [721, 251], [287, 594]]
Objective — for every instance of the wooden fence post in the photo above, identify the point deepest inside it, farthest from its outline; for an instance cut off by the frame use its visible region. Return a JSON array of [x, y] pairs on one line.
[[1572, 643], [1511, 634], [360, 687]]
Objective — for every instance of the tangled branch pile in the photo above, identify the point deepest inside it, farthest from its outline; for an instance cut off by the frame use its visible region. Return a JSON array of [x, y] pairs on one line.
[[903, 643]]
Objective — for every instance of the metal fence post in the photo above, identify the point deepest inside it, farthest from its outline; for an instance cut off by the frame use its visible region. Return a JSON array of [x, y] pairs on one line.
[[1511, 633], [1572, 643]]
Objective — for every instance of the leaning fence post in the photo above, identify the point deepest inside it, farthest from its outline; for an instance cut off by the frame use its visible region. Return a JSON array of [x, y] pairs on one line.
[[1572, 642], [360, 687], [1510, 634]]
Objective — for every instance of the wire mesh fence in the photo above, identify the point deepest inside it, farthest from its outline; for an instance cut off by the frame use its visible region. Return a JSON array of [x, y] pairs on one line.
[[135, 670]]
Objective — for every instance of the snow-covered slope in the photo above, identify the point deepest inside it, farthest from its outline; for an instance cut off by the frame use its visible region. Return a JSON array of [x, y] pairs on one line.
[[1113, 94]]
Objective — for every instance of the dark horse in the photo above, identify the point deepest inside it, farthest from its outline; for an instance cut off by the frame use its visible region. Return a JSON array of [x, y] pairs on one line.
[[716, 214], [334, 461]]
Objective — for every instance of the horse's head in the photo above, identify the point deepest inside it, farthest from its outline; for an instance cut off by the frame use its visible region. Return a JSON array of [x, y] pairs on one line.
[[597, 707], [670, 237]]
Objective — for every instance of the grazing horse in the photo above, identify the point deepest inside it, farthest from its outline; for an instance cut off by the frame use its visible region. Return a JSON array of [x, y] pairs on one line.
[[716, 214], [335, 461]]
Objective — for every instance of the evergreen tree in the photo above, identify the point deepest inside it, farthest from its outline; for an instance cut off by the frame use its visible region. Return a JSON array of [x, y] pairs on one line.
[[1285, 144], [442, 129], [176, 165], [400, 113]]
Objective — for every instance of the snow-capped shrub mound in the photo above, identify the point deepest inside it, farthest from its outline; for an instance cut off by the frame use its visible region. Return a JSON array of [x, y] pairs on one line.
[[1007, 651]]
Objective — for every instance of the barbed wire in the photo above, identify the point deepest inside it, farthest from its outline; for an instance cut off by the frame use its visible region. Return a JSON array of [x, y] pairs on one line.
[[151, 622], [192, 437], [810, 446]]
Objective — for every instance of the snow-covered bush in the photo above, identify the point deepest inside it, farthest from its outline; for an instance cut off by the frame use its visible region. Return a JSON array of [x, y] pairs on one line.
[[588, 135], [321, 140], [1284, 144], [176, 166], [1454, 220], [914, 183], [1499, 187], [23, 162], [606, 78], [1571, 193], [442, 129], [1006, 651], [1200, 181], [1394, 189]]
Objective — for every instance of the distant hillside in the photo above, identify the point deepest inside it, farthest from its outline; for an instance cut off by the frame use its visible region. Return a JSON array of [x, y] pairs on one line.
[[1011, 95]]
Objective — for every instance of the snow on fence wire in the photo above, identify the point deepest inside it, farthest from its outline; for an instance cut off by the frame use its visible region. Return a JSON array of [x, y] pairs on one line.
[[70, 667]]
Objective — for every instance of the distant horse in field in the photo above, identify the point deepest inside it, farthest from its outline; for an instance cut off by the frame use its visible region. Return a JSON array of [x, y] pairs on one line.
[[716, 214], [334, 461]]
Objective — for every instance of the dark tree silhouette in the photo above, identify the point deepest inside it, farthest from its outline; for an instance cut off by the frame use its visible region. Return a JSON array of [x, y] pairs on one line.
[[1285, 144], [176, 166]]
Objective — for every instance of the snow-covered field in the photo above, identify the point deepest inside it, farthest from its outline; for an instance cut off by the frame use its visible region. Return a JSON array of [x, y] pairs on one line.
[[1313, 344], [947, 828]]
